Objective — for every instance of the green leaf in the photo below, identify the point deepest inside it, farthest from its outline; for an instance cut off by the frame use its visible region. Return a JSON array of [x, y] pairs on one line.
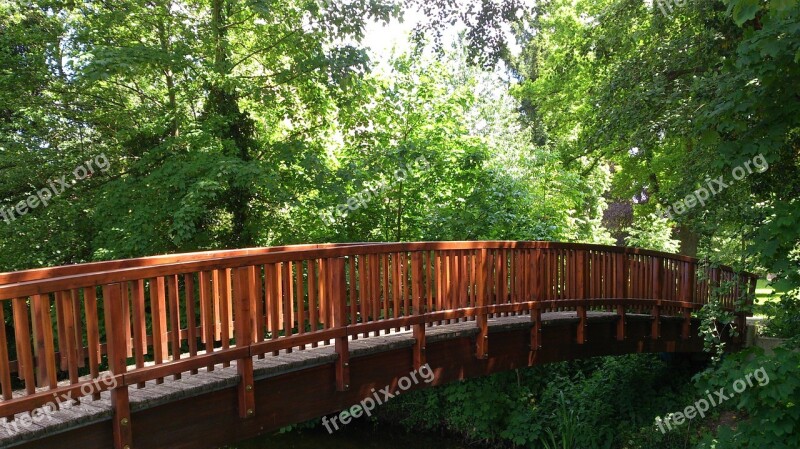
[[782, 5], [745, 10]]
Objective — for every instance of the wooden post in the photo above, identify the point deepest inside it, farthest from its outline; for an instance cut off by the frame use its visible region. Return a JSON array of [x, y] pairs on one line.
[[686, 331], [655, 331], [418, 301], [536, 329], [624, 279], [582, 324], [113, 300], [620, 284], [655, 328], [5, 371], [337, 299], [658, 276], [22, 334], [620, 322], [540, 262], [742, 316], [481, 319], [581, 273], [243, 291]]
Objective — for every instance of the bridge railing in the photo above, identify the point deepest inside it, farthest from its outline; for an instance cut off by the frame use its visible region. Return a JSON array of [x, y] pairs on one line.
[[175, 315]]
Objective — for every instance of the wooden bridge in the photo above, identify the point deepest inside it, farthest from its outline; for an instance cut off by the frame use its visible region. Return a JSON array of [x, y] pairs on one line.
[[205, 349]]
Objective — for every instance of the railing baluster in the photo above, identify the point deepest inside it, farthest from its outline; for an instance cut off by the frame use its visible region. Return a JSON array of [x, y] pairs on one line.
[[313, 311], [404, 286], [159, 322], [22, 335], [439, 282], [538, 275], [174, 297], [353, 290], [375, 283], [363, 289], [322, 289], [384, 268], [274, 298], [60, 298], [528, 276], [395, 288], [482, 343], [69, 346], [225, 316], [300, 295], [207, 312], [503, 278], [216, 311], [463, 292], [139, 325], [429, 280], [287, 300], [191, 317], [519, 262], [417, 292], [5, 371]]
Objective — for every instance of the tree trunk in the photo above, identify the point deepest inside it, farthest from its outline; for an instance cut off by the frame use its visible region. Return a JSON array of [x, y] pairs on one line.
[[235, 128], [689, 241]]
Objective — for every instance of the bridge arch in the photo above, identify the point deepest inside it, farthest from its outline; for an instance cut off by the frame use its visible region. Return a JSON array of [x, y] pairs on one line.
[[202, 349]]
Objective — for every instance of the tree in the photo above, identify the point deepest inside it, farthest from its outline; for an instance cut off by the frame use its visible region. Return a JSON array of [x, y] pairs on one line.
[[674, 102]]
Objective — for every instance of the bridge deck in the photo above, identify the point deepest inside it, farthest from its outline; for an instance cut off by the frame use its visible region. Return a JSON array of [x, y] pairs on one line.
[[88, 411]]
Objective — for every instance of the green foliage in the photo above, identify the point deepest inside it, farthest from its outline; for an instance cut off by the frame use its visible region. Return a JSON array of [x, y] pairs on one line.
[[784, 321], [567, 429], [672, 102], [481, 178], [771, 409], [652, 232], [617, 398], [239, 125], [715, 321]]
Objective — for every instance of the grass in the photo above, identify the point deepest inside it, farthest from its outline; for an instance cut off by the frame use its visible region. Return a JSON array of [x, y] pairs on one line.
[[764, 294]]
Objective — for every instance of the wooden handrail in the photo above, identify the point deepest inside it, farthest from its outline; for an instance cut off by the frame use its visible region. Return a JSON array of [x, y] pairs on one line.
[[94, 267], [87, 275], [232, 305]]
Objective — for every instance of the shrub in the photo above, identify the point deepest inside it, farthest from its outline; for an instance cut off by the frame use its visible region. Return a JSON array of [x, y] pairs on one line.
[[771, 411]]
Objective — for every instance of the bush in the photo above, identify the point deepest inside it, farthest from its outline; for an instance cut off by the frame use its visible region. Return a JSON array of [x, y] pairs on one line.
[[784, 316], [771, 411], [606, 403]]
